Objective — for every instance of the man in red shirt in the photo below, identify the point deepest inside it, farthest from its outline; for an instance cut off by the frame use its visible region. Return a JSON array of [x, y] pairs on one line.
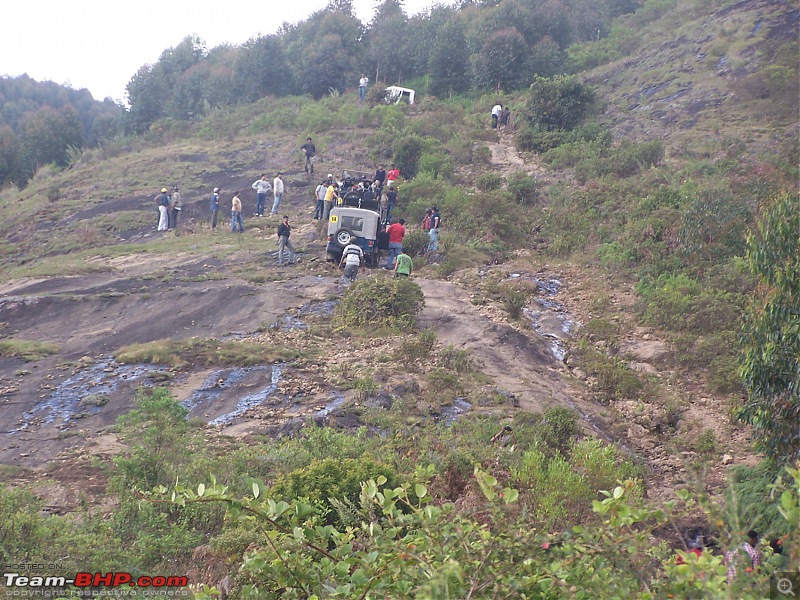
[[396, 233], [392, 175]]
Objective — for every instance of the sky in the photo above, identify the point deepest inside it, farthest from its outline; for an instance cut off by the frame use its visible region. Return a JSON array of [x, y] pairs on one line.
[[100, 44]]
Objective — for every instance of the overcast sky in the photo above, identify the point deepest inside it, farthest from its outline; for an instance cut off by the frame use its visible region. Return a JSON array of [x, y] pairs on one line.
[[100, 44]]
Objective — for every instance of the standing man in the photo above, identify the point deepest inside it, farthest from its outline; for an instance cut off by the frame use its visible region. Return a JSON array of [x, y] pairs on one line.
[[277, 190], [392, 175], [261, 186], [175, 205], [497, 109], [310, 151], [403, 265], [380, 179], [436, 222], [284, 231], [391, 202], [362, 88], [331, 194], [214, 208], [163, 210], [236, 213], [319, 194], [396, 233]]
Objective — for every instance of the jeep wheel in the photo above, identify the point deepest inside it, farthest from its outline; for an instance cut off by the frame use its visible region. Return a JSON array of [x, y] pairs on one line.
[[343, 237]]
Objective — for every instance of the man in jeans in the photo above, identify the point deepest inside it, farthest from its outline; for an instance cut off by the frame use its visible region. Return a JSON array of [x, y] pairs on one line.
[[396, 233], [436, 222], [310, 151], [214, 208], [261, 186], [284, 231], [277, 190]]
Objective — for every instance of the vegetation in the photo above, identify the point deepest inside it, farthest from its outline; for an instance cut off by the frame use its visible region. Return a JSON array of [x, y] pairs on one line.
[[380, 303]]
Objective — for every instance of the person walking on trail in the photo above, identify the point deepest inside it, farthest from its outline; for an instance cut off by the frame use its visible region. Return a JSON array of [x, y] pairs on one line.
[[262, 188], [277, 190], [319, 194], [214, 208], [284, 231], [310, 151], [396, 233], [403, 265], [236, 213], [352, 255], [175, 205], [391, 202], [746, 555], [362, 88], [392, 175], [331, 194], [497, 109], [436, 223], [380, 180], [162, 200], [505, 117]]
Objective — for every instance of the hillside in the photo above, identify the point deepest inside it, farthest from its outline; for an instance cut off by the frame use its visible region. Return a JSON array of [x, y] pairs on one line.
[[594, 309]]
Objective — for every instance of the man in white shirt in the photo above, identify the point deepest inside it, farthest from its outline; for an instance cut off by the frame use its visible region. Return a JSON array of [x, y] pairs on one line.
[[261, 186], [496, 110], [277, 190], [362, 87], [351, 259]]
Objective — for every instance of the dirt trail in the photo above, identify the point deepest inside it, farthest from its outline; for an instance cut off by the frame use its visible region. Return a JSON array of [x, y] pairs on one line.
[[520, 363]]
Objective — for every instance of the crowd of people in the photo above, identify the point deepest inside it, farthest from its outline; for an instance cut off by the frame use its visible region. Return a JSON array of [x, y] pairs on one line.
[[383, 188]]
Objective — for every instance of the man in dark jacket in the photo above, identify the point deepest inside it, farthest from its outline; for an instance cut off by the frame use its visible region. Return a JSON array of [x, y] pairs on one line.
[[284, 231]]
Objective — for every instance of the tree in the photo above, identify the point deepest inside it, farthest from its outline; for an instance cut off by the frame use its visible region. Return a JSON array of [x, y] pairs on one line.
[[559, 102], [261, 69], [387, 41], [502, 61], [770, 363], [449, 60]]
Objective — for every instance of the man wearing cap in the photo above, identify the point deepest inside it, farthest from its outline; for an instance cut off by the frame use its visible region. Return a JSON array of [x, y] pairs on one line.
[[277, 190], [214, 208], [319, 194], [175, 204], [163, 210], [330, 195]]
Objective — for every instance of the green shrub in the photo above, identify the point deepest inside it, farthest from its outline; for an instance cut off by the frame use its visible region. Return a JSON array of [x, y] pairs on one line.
[[488, 182], [415, 243], [436, 163], [330, 478], [407, 153], [601, 464], [514, 301], [417, 347], [455, 360], [524, 188], [380, 302], [443, 385]]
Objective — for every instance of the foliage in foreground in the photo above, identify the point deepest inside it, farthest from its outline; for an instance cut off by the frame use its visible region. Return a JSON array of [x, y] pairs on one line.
[[771, 361], [407, 547], [380, 302]]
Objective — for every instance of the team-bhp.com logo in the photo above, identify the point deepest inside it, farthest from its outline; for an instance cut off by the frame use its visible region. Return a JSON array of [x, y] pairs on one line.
[[94, 580]]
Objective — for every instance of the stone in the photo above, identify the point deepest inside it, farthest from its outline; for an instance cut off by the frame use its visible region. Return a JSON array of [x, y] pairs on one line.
[[727, 459]]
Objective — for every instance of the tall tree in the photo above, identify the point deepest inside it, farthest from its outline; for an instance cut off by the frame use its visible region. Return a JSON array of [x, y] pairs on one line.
[[387, 41], [261, 69], [770, 366], [449, 62], [502, 61]]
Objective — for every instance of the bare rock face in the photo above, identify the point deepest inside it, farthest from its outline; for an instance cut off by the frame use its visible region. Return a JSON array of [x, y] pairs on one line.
[[646, 351]]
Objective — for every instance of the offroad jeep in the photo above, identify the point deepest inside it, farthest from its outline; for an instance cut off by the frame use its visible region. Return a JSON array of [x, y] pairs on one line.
[[356, 216]]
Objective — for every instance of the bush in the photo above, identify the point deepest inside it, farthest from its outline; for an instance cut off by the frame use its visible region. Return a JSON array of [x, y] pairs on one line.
[[415, 242], [488, 182], [380, 302], [524, 188], [417, 347], [407, 153], [330, 478]]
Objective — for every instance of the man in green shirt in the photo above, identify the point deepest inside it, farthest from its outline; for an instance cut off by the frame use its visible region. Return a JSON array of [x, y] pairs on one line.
[[403, 265]]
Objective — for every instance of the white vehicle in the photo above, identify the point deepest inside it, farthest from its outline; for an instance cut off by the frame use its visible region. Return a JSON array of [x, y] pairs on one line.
[[396, 93]]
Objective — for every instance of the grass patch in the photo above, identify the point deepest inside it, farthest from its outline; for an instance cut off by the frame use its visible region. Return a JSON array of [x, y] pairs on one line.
[[27, 350], [205, 352]]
